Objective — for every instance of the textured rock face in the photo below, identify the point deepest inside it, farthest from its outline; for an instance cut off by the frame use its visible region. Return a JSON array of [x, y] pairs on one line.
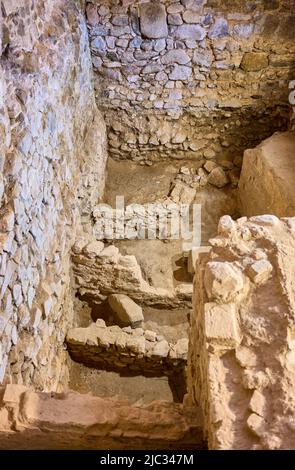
[[73, 421], [215, 72], [267, 178], [241, 355], [50, 166]]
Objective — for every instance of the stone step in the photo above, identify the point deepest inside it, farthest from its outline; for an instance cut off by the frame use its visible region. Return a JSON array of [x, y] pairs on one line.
[[35, 420]]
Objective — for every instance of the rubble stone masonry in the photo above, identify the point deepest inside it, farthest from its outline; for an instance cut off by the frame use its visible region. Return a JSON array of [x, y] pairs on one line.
[[241, 353], [196, 79], [50, 167]]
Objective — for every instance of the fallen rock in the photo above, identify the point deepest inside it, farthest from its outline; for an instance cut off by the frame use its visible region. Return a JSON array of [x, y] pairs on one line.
[[218, 178], [126, 310]]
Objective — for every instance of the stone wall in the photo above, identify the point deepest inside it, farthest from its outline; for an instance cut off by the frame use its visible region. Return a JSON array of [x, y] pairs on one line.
[[241, 354], [101, 270], [191, 78], [50, 164], [30, 420], [120, 349]]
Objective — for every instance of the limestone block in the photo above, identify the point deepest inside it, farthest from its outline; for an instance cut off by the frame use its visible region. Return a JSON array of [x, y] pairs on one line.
[[93, 249], [181, 348], [260, 271], [218, 178], [153, 22], [256, 424], [161, 349], [254, 61], [191, 31], [221, 325], [150, 335], [194, 255], [13, 393], [175, 56], [257, 403], [126, 310], [226, 225], [223, 281]]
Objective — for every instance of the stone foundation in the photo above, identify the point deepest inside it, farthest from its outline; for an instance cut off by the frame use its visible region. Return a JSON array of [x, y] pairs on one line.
[[127, 350], [72, 421]]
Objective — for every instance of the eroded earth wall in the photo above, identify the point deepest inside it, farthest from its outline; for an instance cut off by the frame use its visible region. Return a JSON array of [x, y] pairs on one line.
[[241, 364], [50, 167], [197, 79]]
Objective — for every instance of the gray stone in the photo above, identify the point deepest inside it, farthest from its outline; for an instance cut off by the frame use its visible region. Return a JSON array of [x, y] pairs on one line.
[[120, 20], [126, 310], [203, 58], [98, 44], [218, 178], [175, 19], [176, 56], [180, 72], [244, 30], [192, 31], [219, 29], [190, 16], [153, 22], [160, 45]]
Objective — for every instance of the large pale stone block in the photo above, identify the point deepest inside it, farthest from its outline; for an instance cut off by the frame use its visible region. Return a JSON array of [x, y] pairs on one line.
[[221, 326], [153, 23], [223, 281], [126, 310]]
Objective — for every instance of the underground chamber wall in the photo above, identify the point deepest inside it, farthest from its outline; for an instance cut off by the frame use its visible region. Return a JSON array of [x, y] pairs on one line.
[[180, 109]]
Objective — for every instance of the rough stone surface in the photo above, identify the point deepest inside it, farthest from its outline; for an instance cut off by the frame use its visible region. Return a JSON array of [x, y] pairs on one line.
[[126, 310], [153, 22], [218, 73], [68, 421], [112, 273], [241, 358], [52, 142], [113, 348]]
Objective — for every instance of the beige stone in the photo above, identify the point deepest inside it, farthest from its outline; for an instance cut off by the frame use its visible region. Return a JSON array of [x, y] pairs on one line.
[[260, 271], [126, 310], [223, 281], [221, 325]]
